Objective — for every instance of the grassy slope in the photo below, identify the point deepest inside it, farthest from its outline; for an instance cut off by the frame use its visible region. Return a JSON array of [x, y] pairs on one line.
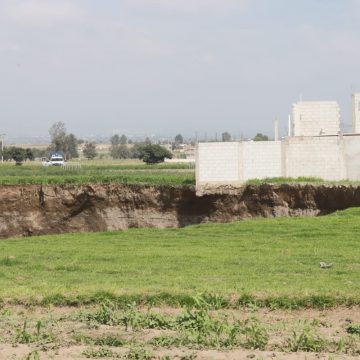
[[265, 257]]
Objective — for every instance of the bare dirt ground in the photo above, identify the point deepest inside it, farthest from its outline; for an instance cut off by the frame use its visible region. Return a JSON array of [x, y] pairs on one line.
[[102, 332]]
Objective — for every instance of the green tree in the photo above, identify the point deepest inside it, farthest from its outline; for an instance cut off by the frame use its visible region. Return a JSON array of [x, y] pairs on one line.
[[39, 153], [226, 137], [135, 151], [57, 134], [115, 140], [123, 140], [29, 154], [89, 150], [120, 152], [260, 137], [179, 139], [70, 146], [61, 141], [17, 154], [153, 154]]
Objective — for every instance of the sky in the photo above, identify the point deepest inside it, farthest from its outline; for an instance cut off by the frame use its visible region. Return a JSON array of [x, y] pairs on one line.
[[195, 67]]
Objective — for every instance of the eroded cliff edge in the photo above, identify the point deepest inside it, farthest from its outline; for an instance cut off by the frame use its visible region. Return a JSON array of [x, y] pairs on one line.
[[37, 210]]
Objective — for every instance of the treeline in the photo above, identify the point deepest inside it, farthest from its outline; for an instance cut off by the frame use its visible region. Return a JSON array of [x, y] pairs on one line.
[[122, 148], [69, 144], [18, 154]]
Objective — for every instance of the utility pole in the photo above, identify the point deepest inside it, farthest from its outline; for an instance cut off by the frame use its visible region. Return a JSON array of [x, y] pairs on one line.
[[2, 147]]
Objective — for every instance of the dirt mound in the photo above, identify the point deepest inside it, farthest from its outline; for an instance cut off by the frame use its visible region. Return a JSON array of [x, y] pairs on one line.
[[36, 210]]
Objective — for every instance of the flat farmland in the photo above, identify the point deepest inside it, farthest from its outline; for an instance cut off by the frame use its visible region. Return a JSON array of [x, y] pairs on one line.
[[85, 172]]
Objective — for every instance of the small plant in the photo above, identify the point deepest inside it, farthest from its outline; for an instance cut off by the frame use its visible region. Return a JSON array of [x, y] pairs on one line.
[[9, 261], [214, 301], [340, 345], [105, 315], [182, 357], [5, 311], [135, 319], [165, 341], [132, 317], [137, 353], [307, 340], [83, 339], [188, 357], [110, 341], [353, 329], [33, 355], [256, 335], [98, 353], [23, 336], [39, 325], [200, 329]]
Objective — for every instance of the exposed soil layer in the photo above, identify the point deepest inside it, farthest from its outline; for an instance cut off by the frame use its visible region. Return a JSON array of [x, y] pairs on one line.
[[37, 210]]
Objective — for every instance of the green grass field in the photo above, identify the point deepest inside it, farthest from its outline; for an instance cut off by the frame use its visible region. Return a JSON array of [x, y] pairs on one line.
[[134, 172], [125, 172], [263, 259]]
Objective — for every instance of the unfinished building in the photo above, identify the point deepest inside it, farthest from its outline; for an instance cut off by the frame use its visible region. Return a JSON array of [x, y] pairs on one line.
[[316, 148]]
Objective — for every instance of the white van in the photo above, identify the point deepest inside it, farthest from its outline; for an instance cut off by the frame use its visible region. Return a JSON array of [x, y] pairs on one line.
[[57, 160]]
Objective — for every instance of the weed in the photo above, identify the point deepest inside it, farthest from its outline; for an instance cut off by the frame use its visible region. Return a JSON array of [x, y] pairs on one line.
[[256, 335], [181, 357], [135, 319], [353, 329], [33, 355], [105, 315], [200, 329], [6, 312], [23, 336], [110, 341], [340, 345], [165, 341], [307, 340], [188, 357], [83, 339], [194, 319], [212, 301], [39, 324], [9, 261], [138, 353], [132, 317], [348, 345], [103, 352]]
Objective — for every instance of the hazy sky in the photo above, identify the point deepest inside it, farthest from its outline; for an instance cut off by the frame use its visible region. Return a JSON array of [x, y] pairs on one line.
[[170, 66]]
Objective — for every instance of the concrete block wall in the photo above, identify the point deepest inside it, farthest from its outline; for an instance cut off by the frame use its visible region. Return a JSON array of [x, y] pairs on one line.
[[217, 162], [325, 157], [356, 113], [260, 159], [321, 157], [352, 157], [314, 118]]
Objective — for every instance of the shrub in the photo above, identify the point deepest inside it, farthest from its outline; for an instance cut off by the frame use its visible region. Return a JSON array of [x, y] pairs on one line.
[[154, 154]]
